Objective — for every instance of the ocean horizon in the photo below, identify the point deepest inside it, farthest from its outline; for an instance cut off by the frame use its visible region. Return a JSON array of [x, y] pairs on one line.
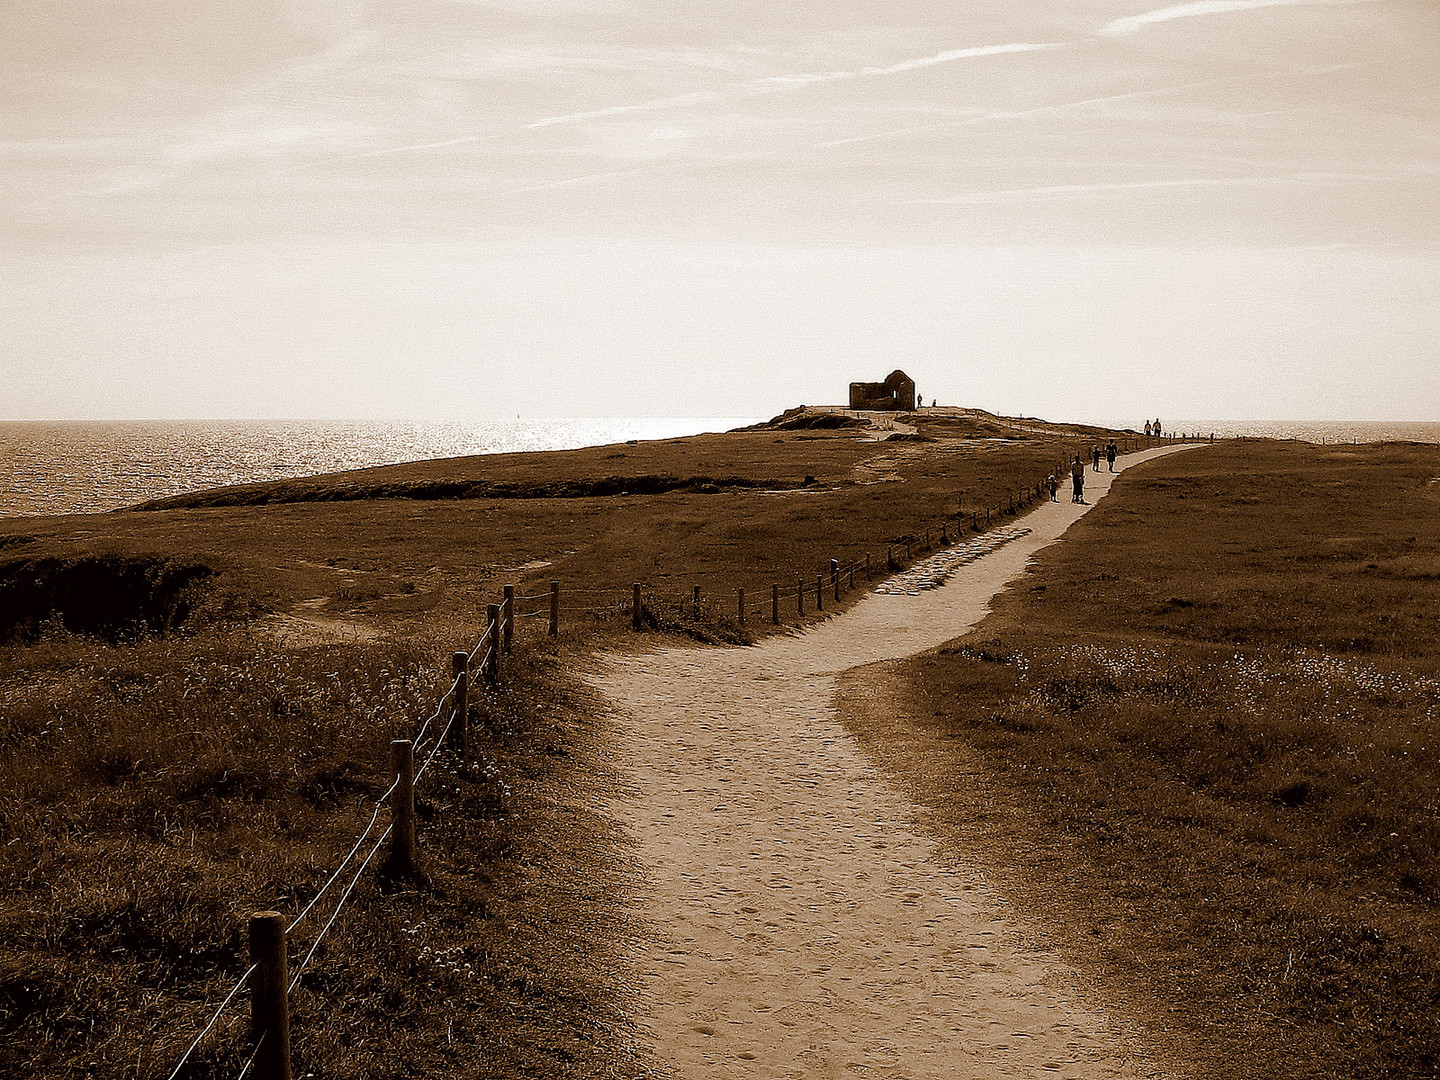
[[50, 467], [88, 466]]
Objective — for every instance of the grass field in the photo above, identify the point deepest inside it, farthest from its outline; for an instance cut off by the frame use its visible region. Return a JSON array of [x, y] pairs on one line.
[[196, 703], [1201, 734]]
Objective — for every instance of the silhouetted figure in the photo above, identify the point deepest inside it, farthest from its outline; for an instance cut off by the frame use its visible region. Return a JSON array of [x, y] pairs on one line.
[[1147, 429], [1095, 457], [1077, 480], [1054, 486], [1111, 450], [1158, 432]]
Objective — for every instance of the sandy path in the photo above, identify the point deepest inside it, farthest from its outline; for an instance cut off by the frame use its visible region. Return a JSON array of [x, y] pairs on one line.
[[804, 925]]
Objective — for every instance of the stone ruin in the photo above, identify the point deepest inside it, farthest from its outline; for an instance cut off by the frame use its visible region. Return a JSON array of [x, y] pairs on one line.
[[895, 394]]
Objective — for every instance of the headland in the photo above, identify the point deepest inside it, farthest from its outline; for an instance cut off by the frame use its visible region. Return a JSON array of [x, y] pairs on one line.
[[198, 725]]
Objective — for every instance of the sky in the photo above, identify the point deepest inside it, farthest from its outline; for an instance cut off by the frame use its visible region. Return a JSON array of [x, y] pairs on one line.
[[1099, 210]]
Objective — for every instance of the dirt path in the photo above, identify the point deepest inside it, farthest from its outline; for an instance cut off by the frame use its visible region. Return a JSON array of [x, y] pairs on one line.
[[804, 926]]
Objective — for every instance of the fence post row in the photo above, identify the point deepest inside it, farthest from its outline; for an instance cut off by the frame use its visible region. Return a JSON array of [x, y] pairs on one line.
[[401, 861], [460, 715], [507, 616], [492, 655], [269, 996]]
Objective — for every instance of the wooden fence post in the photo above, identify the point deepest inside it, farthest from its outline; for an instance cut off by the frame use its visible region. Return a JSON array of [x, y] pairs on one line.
[[269, 996], [740, 602], [460, 716], [492, 658], [851, 583], [635, 606], [402, 861], [775, 604], [835, 578], [554, 628], [800, 596], [695, 596], [869, 574], [819, 592], [944, 534], [507, 616]]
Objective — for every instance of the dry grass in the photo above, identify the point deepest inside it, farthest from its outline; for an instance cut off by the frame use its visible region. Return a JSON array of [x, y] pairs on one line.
[[1201, 733], [155, 789], [157, 792]]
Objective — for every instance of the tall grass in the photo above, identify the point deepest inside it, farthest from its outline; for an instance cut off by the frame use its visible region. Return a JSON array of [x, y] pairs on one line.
[[155, 793]]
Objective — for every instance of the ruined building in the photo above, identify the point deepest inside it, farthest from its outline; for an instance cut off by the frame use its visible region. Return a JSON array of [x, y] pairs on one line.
[[896, 393]]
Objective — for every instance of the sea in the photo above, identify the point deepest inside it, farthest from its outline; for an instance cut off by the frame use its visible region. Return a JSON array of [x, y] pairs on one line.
[[80, 467]]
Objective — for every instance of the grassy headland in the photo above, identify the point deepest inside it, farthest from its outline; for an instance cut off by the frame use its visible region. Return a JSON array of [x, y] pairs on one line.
[[1201, 733], [196, 700]]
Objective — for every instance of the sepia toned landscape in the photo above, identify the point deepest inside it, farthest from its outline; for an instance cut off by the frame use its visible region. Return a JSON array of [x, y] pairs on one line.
[[455, 622], [1179, 773]]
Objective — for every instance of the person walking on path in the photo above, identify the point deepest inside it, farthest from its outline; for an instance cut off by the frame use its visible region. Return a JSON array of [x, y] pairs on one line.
[[1095, 457], [1054, 486], [1077, 480], [1147, 429], [1111, 452], [1158, 432]]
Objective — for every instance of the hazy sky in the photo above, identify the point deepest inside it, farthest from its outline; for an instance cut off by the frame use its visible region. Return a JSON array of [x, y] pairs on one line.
[[1091, 209]]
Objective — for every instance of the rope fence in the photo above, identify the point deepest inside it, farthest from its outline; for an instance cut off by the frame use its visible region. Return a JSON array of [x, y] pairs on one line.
[[272, 984]]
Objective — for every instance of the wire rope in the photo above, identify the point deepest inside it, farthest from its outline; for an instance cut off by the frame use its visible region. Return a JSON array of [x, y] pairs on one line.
[[379, 804], [338, 908], [206, 1030], [245, 1069]]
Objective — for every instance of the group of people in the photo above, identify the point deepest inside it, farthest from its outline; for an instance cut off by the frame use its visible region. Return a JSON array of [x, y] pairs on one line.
[[1152, 427], [1077, 472]]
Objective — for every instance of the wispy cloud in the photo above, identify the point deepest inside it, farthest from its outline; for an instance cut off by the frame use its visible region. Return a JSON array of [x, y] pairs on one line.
[[979, 198], [1017, 114], [771, 84], [679, 101], [1131, 24]]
